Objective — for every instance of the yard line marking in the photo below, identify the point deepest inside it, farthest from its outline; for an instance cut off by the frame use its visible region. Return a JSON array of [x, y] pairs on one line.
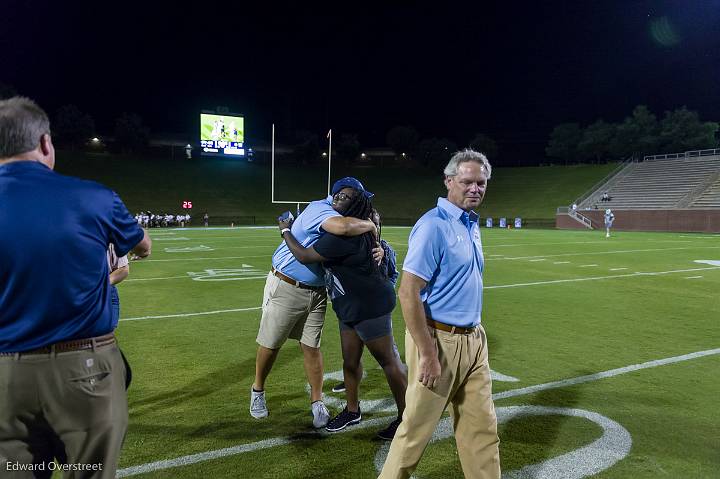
[[499, 286], [617, 269], [561, 262], [587, 265], [153, 279], [198, 259], [604, 374], [604, 252], [594, 278], [189, 277], [692, 277], [535, 260], [185, 315], [281, 441]]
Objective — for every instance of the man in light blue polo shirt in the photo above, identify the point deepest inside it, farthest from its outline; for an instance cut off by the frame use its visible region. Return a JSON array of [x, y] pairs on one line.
[[445, 344], [294, 300]]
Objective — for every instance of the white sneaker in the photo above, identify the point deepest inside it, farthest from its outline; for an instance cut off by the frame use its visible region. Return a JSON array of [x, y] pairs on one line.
[[320, 413], [258, 408]]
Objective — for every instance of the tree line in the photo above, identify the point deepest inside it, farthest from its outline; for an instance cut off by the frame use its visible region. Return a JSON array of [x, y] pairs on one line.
[[640, 134]]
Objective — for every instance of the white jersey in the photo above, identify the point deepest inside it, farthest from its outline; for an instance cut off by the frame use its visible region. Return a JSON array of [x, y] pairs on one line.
[[609, 218]]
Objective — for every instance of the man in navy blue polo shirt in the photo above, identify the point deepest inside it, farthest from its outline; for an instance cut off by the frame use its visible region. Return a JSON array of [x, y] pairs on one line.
[[445, 345], [62, 377]]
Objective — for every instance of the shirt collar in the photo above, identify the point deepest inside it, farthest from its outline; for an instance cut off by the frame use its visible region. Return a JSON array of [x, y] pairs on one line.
[[455, 211], [22, 165]]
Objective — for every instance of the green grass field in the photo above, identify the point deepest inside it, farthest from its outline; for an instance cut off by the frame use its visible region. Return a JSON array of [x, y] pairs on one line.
[[560, 307]]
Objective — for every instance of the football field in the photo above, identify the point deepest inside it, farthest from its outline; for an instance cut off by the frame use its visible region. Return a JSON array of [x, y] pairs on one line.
[[605, 355]]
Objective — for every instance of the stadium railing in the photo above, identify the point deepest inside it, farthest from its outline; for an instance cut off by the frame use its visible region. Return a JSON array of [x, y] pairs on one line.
[[686, 154]]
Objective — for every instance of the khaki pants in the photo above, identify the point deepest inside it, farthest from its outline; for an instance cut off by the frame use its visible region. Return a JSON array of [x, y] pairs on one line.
[[71, 406], [291, 312], [465, 384]]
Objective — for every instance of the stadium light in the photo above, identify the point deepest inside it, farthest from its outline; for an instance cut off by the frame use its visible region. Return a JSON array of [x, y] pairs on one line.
[[95, 139], [362, 155], [324, 154]]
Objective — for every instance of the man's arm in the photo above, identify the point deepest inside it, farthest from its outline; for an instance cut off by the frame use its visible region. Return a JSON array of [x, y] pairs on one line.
[[119, 274], [416, 322], [347, 226], [143, 248]]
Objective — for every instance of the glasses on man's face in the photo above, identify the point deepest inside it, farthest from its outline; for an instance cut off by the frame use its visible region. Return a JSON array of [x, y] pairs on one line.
[[343, 196]]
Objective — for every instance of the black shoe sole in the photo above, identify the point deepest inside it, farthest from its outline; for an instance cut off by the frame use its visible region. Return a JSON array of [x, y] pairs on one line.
[[354, 421]]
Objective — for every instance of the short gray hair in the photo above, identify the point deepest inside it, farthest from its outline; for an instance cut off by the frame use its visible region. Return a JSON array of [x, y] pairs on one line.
[[22, 124], [468, 154]]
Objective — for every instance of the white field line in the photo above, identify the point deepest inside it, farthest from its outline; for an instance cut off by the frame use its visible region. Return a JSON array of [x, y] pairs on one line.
[[617, 269], [587, 266], [589, 253], [692, 277], [141, 261], [595, 278], [604, 374], [154, 279], [280, 441], [189, 277], [513, 245], [499, 286], [561, 262], [185, 315], [536, 260]]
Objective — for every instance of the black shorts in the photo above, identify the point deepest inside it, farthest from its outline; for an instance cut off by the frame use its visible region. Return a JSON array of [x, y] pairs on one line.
[[369, 329]]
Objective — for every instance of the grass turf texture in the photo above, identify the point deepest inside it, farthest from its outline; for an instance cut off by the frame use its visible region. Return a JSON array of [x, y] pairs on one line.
[[192, 374], [232, 188]]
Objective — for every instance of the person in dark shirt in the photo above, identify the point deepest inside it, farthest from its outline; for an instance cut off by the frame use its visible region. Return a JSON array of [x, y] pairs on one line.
[[363, 299]]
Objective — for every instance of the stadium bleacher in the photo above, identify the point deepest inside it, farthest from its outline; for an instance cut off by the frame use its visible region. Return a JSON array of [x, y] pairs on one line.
[[677, 182]]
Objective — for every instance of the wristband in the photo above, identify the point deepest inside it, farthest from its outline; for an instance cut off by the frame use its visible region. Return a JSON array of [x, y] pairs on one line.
[[282, 231]]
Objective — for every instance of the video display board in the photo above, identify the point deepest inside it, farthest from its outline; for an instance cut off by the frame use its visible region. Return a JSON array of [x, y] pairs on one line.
[[222, 135]]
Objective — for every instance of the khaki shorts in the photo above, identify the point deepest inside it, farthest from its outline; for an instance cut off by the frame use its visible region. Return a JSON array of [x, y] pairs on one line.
[[291, 312]]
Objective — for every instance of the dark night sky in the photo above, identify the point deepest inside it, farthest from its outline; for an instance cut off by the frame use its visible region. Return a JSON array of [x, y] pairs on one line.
[[510, 69]]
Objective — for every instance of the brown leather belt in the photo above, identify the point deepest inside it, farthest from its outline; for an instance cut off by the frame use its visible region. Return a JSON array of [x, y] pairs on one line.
[[450, 329], [71, 345], [297, 284]]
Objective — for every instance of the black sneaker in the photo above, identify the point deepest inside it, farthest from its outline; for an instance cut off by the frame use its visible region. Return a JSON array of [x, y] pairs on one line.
[[389, 432], [343, 420], [339, 387]]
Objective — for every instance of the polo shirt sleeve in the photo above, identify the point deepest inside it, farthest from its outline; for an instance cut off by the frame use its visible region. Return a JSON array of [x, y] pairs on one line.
[[125, 233], [424, 250], [333, 247], [315, 214]]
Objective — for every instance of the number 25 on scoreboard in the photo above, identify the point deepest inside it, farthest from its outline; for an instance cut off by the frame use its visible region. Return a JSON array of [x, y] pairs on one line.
[[187, 205]]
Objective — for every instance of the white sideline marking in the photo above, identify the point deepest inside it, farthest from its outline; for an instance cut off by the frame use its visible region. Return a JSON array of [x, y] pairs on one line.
[[605, 252], [594, 278], [617, 269], [711, 262], [184, 315], [153, 279], [499, 286], [602, 375], [540, 259], [280, 441], [561, 262], [587, 265], [198, 259], [692, 277]]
